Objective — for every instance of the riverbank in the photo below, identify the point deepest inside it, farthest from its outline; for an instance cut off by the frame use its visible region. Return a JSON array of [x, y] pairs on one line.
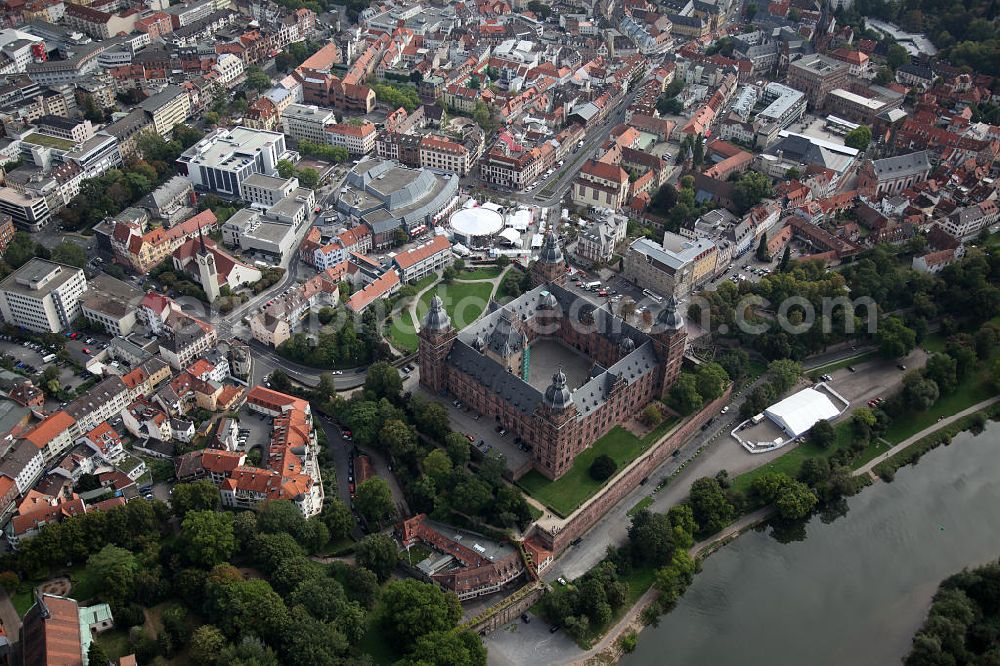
[[609, 649]]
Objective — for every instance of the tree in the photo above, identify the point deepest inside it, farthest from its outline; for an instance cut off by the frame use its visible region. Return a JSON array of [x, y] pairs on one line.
[[374, 501], [308, 177], [712, 380], [602, 468], [783, 374], [338, 518], [9, 581], [206, 644], [277, 516], [437, 466], [285, 169], [919, 392], [651, 416], [207, 537], [709, 505], [457, 447], [786, 258], [762, 252], [822, 434], [250, 651], [684, 397], [859, 137], [792, 174], [897, 55], [115, 570], [481, 114], [378, 554], [69, 253], [21, 249], [197, 496], [398, 439], [448, 648], [432, 420], [894, 338], [410, 609], [650, 538], [750, 188], [257, 79], [383, 381], [943, 370], [96, 656], [795, 500]]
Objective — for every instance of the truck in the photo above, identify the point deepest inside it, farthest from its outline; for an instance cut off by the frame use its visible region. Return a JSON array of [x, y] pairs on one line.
[[757, 419], [591, 286], [49, 358]]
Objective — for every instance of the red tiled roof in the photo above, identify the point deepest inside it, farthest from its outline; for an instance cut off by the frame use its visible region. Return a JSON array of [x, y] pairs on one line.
[[437, 244], [50, 428]]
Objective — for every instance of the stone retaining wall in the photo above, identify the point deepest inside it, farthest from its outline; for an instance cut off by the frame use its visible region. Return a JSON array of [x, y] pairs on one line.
[[585, 518]]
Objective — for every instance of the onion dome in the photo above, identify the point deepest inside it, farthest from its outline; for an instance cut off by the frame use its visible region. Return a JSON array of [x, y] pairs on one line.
[[557, 395], [437, 319]]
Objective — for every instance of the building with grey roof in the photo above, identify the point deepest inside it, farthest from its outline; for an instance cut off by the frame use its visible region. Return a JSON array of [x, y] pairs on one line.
[[386, 197], [487, 365], [42, 296]]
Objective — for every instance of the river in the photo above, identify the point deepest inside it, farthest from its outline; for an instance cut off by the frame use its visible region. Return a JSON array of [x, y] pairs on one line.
[[855, 589]]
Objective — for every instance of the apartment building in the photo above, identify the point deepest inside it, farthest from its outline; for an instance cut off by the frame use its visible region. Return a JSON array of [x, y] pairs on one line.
[[816, 75], [670, 268], [111, 303], [444, 155], [42, 296], [415, 263], [357, 139], [601, 185], [262, 191], [28, 211], [54, 435], [307, 122], [169, 107]]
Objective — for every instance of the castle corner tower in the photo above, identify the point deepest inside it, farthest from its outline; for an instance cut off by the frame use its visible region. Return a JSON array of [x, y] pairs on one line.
[[551, 265], [436, 337], [670, 339]]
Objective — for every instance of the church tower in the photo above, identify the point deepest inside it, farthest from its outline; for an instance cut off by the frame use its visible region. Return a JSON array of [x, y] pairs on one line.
[[669, 338], [436, 337], [551, 265], [207, 273]]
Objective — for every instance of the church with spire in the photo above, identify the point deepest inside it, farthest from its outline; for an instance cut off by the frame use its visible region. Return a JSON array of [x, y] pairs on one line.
[[488, 364], [212, 267]]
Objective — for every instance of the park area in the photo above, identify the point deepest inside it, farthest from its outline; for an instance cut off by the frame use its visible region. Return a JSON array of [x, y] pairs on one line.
[[565, 495], [463, 301]]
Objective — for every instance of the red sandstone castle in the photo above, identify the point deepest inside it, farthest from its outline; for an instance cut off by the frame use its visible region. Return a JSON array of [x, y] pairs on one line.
[[487, 364]]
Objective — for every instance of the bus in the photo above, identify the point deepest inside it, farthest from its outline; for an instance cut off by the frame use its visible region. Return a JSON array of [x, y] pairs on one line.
[[591, 286], [654, 296]]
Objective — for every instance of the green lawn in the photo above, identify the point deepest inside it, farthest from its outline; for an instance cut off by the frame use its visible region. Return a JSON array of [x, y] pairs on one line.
[[24, 597], [644, 503], [49, 141], [971, 390], [791, 462], [480, 273], [576, 486], [464, 302]]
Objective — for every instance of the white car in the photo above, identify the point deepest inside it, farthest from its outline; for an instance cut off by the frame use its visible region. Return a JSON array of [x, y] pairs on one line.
[[724, 409]]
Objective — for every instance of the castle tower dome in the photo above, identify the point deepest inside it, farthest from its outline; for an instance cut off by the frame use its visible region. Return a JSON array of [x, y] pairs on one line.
[[557, 395], [437, 318]]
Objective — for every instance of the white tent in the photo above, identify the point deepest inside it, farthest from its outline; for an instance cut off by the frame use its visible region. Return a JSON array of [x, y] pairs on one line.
[[799, 411], [511, 236]]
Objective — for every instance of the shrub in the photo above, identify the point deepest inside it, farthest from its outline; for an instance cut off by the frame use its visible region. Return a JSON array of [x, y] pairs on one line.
[[602, 468]]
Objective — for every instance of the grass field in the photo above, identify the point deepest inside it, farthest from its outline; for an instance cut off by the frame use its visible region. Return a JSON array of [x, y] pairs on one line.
[[464, 302], [644, 503], [974, 388], [568, 492], [791, 462], [480, 273]]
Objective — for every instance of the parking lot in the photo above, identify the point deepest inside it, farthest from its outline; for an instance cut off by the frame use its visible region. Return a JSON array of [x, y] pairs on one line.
[[480, 428], [876, 378]]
